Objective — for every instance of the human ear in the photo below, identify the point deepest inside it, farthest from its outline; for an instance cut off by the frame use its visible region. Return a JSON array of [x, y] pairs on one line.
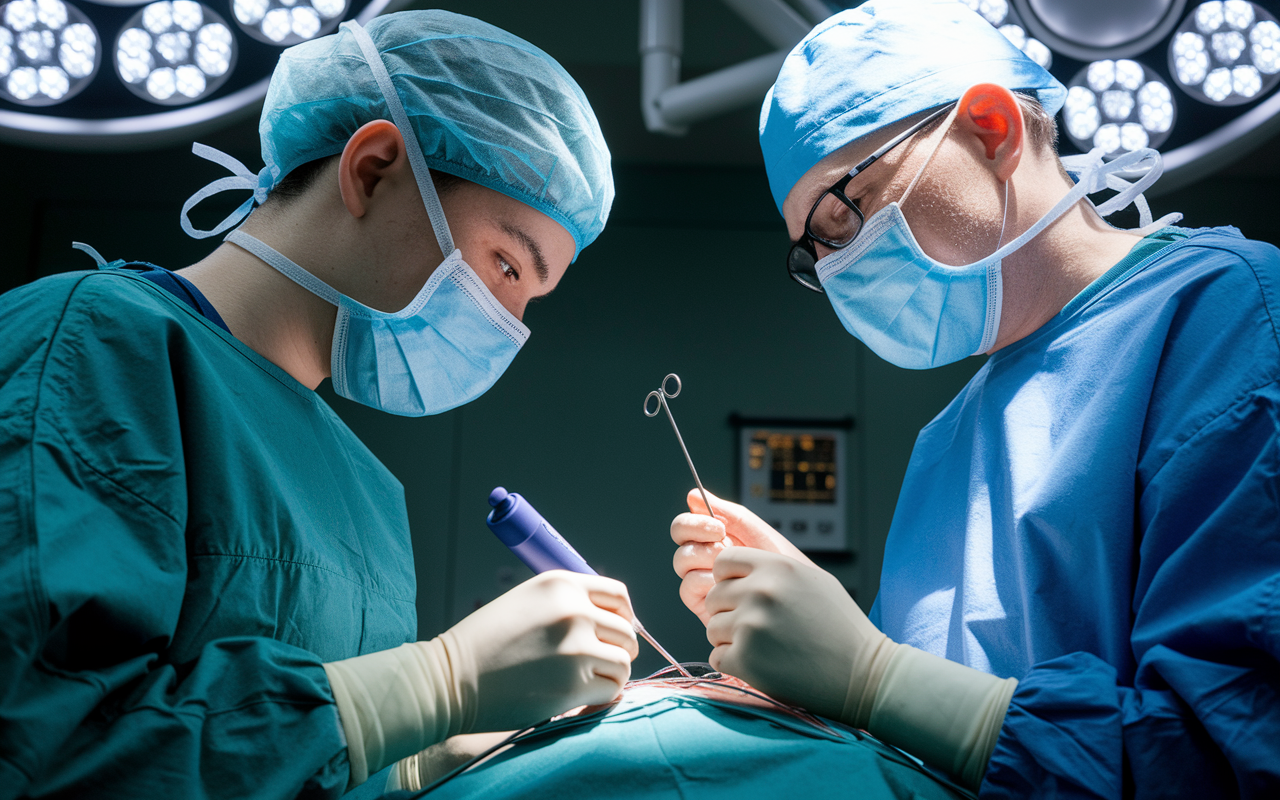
[[991, 114], [371, 155]]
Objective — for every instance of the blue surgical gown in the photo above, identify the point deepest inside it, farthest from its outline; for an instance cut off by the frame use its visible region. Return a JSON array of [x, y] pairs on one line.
[[1097, 514], [186, 534]]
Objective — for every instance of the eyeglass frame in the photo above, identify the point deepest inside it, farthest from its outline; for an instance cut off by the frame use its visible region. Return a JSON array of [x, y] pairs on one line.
[[805, 245]]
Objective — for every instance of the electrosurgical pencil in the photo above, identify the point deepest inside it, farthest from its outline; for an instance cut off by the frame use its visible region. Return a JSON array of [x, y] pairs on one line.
[[662, 396], [519, 526]]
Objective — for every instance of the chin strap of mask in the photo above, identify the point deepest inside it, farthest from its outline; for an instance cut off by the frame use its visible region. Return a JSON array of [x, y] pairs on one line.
[[1144, 166]]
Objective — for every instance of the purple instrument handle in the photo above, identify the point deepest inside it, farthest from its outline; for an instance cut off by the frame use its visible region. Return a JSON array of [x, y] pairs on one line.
[[519, 526]]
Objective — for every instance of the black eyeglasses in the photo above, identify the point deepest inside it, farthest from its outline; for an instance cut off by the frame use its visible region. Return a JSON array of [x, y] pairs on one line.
[[835, 220]]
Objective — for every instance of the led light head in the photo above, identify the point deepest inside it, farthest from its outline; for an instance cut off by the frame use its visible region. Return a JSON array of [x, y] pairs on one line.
[[49, 52], [1226, 53], [1118, 106]]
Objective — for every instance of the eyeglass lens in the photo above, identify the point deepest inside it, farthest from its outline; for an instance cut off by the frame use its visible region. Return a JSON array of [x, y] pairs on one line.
[[833, 221], [802, 266]]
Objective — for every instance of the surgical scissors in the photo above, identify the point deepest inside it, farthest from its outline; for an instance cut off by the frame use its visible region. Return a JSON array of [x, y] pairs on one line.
[[662, 396]]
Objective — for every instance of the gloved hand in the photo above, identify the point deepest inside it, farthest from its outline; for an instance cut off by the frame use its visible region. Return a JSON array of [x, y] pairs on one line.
[[555, 642], [701, 539], [791, 630]]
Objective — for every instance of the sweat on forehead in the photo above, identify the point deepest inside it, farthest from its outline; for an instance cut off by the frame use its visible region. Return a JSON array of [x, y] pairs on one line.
[[878, 64]]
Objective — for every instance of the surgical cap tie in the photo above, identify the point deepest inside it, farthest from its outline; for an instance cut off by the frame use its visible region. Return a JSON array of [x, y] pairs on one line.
[[435, 212], [242, 179]]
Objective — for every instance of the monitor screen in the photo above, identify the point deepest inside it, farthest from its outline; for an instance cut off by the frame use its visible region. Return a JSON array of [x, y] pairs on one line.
[[802, 466]]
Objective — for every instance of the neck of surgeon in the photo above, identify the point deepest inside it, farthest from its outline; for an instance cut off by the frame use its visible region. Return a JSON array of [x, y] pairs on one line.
[[1043, 276]]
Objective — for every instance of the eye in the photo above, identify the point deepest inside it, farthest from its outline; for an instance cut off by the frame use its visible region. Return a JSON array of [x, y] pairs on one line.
[[508, 271]]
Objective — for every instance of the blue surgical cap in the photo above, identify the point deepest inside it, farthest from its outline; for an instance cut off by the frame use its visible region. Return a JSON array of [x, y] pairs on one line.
[[485, 105], [872, 66]]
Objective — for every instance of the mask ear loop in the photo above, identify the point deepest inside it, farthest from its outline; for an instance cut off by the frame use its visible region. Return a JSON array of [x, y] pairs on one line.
[[945, 127], [995, 286], [431, 200], [1004, 221]]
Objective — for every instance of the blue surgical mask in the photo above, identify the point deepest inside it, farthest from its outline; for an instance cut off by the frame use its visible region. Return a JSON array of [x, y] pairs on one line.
[[445, 348], [916, 312]]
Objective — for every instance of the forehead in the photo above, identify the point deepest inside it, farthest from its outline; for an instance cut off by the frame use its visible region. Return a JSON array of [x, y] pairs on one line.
[[516, 220]]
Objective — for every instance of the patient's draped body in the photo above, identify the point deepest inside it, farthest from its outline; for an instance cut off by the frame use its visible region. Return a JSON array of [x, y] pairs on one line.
[[710, 737]]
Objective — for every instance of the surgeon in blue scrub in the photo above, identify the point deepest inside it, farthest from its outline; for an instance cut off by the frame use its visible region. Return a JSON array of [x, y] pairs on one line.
[[206, 581], [1081, 584]]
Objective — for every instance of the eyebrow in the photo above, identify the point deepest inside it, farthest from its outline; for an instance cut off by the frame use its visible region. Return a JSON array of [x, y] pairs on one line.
[[539, 263]]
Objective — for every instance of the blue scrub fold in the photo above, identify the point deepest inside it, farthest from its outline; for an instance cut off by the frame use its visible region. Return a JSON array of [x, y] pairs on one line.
[[186, 535], [1098, 515]]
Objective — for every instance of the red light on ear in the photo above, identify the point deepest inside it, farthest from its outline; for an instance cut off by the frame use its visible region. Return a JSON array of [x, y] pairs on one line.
[[994, 109]]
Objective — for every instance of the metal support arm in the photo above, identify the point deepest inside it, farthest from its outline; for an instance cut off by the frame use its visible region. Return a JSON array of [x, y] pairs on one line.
[[670, 106]]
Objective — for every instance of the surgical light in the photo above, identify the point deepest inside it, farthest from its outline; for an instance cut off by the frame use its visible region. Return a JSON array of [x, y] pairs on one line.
[[993, 11], [126, 74], [173, 53], [287, 22], [1003, 18], [1033, 48], [1118, 106], [1226, 53], [48, 52]]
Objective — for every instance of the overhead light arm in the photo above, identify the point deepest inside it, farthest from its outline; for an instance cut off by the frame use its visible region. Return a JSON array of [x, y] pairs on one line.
[[670, 106]]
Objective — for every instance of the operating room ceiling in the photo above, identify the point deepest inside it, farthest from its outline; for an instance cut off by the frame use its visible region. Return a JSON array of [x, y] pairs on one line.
[[597, 42]]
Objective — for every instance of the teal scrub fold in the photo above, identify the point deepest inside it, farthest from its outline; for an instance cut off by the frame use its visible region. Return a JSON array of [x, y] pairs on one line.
[[186, 534], [657, 744], [1097, 514]]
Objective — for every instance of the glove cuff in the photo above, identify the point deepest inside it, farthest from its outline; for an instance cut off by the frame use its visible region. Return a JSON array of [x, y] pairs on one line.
[[865, 678], [394, 703], [947, 714], [464, 678]]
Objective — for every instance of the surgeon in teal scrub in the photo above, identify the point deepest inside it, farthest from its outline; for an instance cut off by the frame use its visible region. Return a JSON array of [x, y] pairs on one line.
[[1081, 586], [206, 583]]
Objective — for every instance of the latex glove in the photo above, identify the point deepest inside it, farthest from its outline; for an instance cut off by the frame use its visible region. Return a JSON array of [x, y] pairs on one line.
[[555, 642], [701, 539], [792, 631], [419, 771]]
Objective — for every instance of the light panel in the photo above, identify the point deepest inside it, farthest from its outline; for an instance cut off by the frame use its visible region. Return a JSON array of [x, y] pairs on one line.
[[174, 53], [49, 52], [1226, 53], [1003, 18], [287, 22], [1118, 106]]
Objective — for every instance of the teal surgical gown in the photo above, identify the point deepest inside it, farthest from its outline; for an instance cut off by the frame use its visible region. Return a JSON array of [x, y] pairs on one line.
[[186, 534], [1097, 514]]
